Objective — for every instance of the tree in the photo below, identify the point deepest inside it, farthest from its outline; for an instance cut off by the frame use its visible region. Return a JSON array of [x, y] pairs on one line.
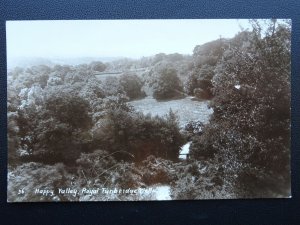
[[209, 53], [57, 128], [98, 66], [158, 58], [132, 85], [40, 74], [167, 84], [111, 87], [249, 132], [205, 58], [68, 108]]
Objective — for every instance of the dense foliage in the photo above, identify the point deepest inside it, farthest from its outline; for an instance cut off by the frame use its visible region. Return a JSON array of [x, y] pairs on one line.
[[250, 129]]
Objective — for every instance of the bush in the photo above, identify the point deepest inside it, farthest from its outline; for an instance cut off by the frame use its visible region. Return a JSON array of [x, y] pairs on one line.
[[140, 135], [157, 171], [32, 176], [194, 128], [13, 139], [100, 169], [201, 180]]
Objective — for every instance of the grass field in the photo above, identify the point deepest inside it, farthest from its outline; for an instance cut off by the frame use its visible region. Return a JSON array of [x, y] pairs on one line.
[[186, 109]]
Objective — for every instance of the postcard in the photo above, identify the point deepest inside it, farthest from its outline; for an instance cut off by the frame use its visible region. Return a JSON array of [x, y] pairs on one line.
[[138, 110]]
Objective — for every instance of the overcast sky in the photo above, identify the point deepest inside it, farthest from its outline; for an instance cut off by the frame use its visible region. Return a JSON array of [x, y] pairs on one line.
[[113, 38]]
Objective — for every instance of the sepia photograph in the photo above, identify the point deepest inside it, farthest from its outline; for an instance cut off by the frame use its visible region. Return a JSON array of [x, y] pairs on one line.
[[144, 110]]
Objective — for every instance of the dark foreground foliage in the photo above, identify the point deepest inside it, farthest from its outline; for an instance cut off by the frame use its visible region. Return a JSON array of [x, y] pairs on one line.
[[93, 171]]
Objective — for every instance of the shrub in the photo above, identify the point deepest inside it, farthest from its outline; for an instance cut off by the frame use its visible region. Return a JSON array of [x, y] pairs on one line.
[[100, 168], [193, 128], [24, 180], [123, 129], [157, 171], [201, 180]]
